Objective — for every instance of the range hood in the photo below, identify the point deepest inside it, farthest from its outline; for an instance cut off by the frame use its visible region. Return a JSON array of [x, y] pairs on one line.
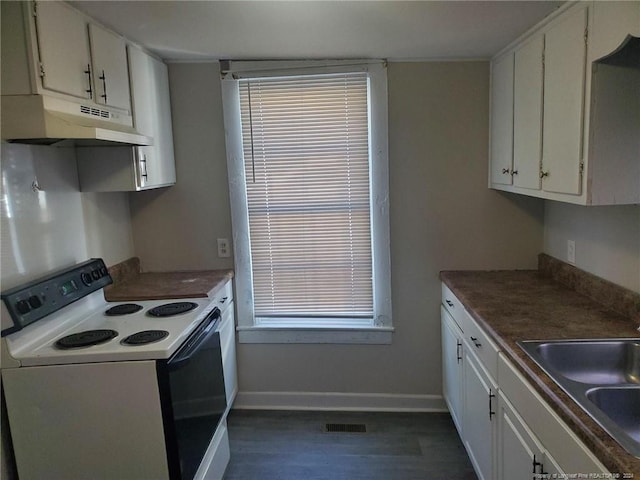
[[48, 120]]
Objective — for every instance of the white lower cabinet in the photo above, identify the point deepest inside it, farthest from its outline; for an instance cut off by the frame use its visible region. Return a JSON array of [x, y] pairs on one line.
[[452, 363], [507, 428], [228, 345], [562, 450], [480, 403], [520, 453]]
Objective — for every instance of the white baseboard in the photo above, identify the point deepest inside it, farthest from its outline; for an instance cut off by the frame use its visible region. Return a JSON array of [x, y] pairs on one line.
[[366, 402]]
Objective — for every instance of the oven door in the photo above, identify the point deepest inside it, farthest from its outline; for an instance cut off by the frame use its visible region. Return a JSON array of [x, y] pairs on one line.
[[193, 398]]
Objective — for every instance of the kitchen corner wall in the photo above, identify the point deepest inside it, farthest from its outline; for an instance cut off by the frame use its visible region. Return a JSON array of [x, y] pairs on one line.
[[176, 228], [443, 216], [607, 239]]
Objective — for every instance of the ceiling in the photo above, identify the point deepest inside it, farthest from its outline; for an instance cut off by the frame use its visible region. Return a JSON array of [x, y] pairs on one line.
[[396, 30]]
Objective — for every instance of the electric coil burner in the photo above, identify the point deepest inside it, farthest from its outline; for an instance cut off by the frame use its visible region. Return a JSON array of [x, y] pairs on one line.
[[170, 309], [144, 337], [123, 309], [86, 339]]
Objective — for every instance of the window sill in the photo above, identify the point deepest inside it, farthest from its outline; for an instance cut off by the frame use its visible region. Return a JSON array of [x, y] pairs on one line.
[[327, 335]]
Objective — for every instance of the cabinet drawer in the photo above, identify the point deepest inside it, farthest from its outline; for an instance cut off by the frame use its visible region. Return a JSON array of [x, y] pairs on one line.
[[565, 447], [223, 296], [454, 307], [479, 343]]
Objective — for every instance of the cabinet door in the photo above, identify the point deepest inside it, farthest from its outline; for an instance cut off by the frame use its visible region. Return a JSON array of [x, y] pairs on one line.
[[164, 169], [228, 345], [502, 120], [452, 367], [551, 467], [110, 72], [527, 114], [564, 76], [480, 404], [63, 48], [520, 455], [152, 117]]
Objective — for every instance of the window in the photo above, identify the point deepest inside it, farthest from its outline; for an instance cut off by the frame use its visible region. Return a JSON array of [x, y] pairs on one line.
[[311, 247]]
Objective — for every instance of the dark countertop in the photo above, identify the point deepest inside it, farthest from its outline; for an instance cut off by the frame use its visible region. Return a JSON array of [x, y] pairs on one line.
[[131, 284], [529, 305]]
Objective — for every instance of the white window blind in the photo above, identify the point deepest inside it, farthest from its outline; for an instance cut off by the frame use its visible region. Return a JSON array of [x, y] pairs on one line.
[[306, 160]]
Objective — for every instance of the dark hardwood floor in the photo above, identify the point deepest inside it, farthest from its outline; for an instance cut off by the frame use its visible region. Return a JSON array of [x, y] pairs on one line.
[[284, 445]]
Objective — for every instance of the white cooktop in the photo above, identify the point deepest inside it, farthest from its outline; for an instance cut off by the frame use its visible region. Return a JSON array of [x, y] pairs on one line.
[[34, 345]]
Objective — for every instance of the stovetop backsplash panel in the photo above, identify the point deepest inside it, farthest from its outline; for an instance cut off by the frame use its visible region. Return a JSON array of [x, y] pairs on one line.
[[47, 223]]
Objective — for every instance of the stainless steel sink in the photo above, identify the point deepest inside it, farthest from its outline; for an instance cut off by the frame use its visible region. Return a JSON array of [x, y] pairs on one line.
[[621, 404], [606, 362], [602, 376]]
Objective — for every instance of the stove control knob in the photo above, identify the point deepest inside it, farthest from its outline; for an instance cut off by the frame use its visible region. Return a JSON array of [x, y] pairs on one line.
[[95, 274], [35, 302], [23, 307], [86, 279], [104, 272]]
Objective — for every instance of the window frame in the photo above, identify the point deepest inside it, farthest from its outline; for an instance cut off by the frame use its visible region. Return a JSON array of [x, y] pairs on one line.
[[342, 331]]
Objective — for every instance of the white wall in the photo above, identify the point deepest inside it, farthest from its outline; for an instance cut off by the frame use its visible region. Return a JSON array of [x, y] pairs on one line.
[[107, 221], [176, 228], [58, 225], [41, 229], [607, 239], [443, 216]]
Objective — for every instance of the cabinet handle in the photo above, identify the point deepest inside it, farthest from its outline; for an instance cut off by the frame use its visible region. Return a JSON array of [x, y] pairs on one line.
[[491, 412], [449, 302], [142, 168], [103, 77], [543, 174], [476, 342], [88, 73], [223, 299], [458, 350], [515, 172], [505, 171], [537, 464]]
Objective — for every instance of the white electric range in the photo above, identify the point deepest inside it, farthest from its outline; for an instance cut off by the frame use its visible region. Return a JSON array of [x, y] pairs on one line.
[[112, 390]]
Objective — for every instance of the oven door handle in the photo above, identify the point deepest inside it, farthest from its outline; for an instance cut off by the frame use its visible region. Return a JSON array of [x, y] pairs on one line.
[[197, 340]]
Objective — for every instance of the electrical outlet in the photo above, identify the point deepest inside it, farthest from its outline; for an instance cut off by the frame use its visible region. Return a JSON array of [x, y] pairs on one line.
[[571, 251], [223, 247]]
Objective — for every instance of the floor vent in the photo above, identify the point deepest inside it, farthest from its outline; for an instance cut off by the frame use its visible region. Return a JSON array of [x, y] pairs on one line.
[[345, 428]]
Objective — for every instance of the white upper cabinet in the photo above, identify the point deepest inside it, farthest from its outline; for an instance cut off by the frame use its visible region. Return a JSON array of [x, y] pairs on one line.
[[63, 45], [110, 73], [527, 113], [564, 75], [152, 116], [576, 107], [502, 120], [50, 48], [611, 23], [118, 169]]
